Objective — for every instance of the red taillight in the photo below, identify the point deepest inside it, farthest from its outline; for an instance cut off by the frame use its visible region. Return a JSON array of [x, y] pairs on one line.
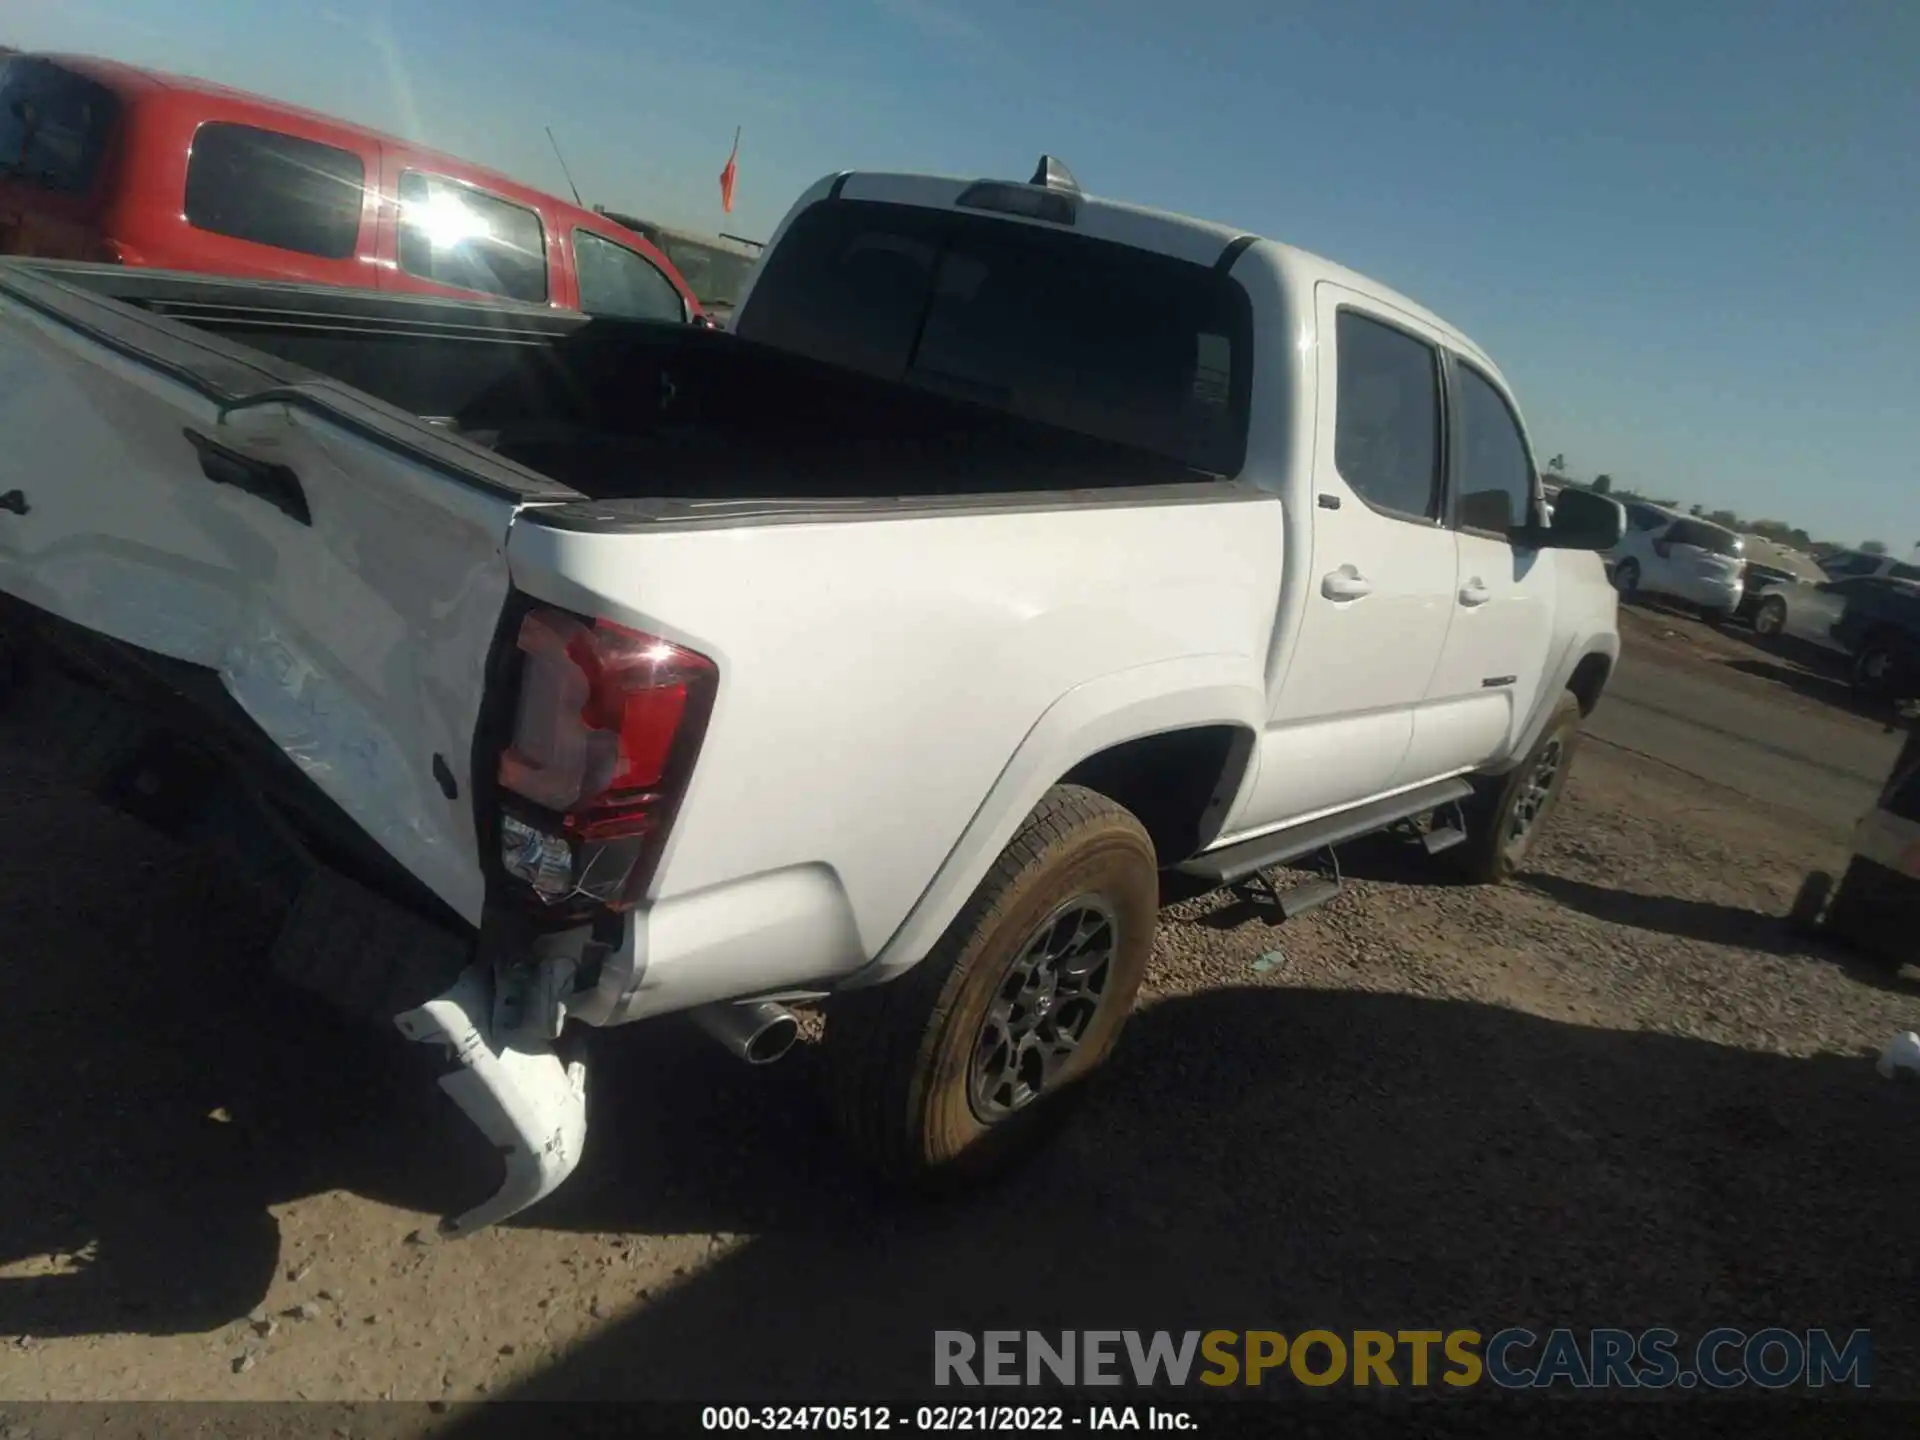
[[608, 725]]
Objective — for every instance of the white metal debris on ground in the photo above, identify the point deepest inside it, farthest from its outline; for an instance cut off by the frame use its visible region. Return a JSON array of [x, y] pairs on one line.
[[1902, 1053]]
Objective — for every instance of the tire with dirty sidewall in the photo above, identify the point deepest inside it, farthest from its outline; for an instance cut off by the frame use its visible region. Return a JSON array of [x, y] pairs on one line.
[[897, 1054], [1810, 903], [1485, 859]]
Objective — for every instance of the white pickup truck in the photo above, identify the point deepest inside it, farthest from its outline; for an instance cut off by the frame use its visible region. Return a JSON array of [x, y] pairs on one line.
[[1015, 548]]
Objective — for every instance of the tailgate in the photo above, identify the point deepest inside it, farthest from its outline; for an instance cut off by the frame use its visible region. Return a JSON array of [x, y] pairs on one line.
[[322, 553]]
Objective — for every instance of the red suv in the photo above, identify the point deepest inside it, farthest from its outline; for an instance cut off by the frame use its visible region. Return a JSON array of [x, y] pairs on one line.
[[108, 162]]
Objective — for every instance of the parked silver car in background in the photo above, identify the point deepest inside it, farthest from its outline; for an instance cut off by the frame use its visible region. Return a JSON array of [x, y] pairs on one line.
[[1809, 609]]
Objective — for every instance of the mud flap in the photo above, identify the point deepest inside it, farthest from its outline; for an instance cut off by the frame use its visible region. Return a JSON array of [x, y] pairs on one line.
[[524, 1098]]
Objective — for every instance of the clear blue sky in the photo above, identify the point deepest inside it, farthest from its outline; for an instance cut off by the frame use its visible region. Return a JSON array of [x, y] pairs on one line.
[[1688, 231]]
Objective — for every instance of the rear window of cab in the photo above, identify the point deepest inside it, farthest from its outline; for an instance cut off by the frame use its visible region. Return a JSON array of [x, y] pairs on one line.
[[54, 124], [1114, 342]]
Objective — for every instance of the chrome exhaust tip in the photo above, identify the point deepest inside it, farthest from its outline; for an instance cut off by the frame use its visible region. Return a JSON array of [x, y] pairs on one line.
[[758, 1032]]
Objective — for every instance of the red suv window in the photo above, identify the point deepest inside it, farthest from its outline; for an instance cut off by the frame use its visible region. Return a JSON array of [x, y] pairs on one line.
[[274, 189], [54, 124], [455, 234]]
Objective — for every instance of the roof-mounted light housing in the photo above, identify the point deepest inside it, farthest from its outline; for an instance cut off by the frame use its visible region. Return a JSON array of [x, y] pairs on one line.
[[1052, 195]]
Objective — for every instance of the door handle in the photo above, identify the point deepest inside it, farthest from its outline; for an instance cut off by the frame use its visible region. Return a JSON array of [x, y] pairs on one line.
[[1474, 592], [275, 484], [1346, 583]]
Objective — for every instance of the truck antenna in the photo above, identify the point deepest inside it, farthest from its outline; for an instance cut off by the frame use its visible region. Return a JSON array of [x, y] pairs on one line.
[[563, 168]]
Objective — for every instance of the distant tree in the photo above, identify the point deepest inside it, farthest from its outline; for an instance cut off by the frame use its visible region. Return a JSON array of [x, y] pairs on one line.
[[1558, 464], [1873, 547], [1602, 484], [1697, 511]]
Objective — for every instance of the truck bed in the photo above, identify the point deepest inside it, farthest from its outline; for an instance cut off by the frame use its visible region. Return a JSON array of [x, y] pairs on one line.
[[596, 410]]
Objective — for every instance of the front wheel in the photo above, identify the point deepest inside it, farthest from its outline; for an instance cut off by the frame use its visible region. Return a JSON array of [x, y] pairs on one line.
[[1505, 819], [1770, 619], [968, 1061]]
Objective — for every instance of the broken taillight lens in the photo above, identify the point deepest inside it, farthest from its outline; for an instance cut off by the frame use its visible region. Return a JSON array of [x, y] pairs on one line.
[[608, 726]]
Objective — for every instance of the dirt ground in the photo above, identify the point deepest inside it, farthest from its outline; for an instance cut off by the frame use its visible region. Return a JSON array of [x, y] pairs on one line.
[[1617, 1092]]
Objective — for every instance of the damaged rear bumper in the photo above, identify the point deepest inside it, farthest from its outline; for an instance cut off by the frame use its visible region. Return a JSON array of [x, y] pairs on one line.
[[527, 1100]]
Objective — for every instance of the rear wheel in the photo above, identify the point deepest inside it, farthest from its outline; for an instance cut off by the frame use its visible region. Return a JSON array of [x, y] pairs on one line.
[[1771, 618], [968, 1061], [1873, 911], [1803, 918], [1506, 818], [1878, 668]]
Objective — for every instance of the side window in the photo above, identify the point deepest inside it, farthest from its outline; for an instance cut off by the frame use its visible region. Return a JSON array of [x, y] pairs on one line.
[[274, 189], [1904, 572], [1838, 567], [456, 235], [54, 124], [715, 276], [1386, 436], [1496, 477], [1645, 519], [622, 283]]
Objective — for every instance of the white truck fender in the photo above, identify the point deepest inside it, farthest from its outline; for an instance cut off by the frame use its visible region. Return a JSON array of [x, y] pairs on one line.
[[1582, 646], [1094, 716]]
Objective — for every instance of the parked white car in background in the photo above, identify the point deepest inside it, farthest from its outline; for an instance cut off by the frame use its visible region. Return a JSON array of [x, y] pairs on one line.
[[1679, 558]]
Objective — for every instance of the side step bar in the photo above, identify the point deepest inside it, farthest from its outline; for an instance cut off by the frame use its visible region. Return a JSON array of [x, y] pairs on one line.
[[1441, 837], [1312, 895], [1236, 862]]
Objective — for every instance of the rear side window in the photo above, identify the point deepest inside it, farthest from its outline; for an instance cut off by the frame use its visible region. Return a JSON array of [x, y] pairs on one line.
[[273, 189], [1710, 538], [456, 235], [1640, 517], [1386, 438], [1496, 477], [54, 125], [1904, 572], [1103, 339], [622, 283]]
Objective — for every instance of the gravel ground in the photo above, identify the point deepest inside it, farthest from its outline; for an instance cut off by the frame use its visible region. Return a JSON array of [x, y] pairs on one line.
[[1617, 1092]]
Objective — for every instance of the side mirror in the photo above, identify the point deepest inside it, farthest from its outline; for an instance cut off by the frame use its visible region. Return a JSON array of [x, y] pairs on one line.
[[1581, 520]]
